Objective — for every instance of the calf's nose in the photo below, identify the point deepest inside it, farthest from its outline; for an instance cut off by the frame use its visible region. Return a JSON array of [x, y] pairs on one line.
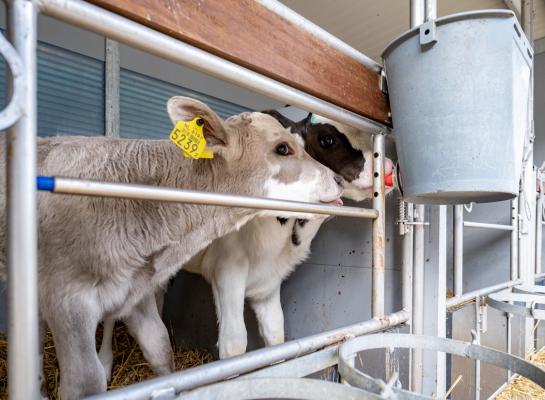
[[339, 180]]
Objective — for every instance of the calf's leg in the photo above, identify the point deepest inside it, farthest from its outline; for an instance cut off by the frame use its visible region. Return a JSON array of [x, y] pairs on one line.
[[146, 326], [105, 354], [73, 325], [270, 317]]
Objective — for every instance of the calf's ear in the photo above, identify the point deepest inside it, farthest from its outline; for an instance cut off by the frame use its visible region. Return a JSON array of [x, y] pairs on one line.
[[185, 109]]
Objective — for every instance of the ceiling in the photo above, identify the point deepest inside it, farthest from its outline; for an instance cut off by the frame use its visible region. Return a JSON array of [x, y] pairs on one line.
[[369, 25]]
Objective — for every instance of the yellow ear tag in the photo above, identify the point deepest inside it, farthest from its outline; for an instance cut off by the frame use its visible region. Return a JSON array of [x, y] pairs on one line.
[[188, 136]]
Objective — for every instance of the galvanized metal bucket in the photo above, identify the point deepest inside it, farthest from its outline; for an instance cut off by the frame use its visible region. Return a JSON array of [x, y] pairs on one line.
[[459, 95]]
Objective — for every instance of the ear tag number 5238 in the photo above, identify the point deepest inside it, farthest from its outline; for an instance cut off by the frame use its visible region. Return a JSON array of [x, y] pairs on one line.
[[188, 136]]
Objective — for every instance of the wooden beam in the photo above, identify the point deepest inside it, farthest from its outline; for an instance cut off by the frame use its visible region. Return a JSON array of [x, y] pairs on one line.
[[245, 32]]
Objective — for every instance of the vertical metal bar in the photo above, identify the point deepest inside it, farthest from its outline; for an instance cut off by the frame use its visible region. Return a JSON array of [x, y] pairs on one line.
[[539, 228], [23, 323], [431, 9], [417, 12], [379, 235], [527, 204], [407, 274], [514, 239], [458, 250], [379, 238], [111, 89], [477, 341], [417, 17]]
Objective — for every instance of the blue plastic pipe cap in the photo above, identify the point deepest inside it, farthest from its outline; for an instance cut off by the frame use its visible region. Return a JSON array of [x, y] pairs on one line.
[[46, 183]]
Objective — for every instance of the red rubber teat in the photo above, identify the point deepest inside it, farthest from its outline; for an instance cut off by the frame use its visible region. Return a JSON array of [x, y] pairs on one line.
[[389, 180]]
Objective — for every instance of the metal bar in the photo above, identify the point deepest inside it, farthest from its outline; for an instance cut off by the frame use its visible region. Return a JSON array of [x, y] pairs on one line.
[[407, 264], [148, 192], [219, 370], [96, 19], [483, 225], [326, 37], [418, 296], [458, 250], [111, 88], [301, 366], [379, 228], [477, 341], [539, 276], [22, 232], [514, 239], [431, 9], [539, 230], [417, 13], [454, 302]]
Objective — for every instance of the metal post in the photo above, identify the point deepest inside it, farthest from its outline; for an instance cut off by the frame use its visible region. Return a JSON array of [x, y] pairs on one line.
[[111, 89], [539, 228], [477, 340], [514, 239], [527, 206], [379, 235], [417, 17], [407, 272], [22, 259], [418, 294], [458, 250], [431, 9]]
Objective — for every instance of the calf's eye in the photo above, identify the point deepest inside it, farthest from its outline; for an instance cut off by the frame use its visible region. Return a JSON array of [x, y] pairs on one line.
[[282, 149], [327, 141]]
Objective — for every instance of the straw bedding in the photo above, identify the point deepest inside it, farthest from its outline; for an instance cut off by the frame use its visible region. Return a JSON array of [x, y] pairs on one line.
[[129, 363]]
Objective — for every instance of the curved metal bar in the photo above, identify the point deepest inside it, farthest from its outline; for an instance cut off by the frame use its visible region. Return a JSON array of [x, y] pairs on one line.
[[497, 358], [530, 289], [279, 388], [14, 110], [502, 301]]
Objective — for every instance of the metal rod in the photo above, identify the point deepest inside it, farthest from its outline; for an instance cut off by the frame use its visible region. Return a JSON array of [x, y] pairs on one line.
[[417, 13], [324, 36], [540, 276], [539, 229], [418, 296], [458, 250], [407, 274], [514, 239], [477, 341], [22, 241], [407, 263], [379, 228], [148, 192], [111, 88], [454, 302], [101, 21], [483, 225], [431, 9], [251, 361]]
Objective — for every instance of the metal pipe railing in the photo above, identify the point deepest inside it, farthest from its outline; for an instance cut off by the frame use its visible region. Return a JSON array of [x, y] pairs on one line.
[[101, 21], [155, 193], [379, 229], [251, 361], [326, 37], [539, 229], [455, 302], [22, 231], [484, 225], [458, 249]]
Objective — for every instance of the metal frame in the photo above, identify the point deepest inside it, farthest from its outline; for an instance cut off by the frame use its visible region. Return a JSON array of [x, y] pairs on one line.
[[23, 304], [305, 355]]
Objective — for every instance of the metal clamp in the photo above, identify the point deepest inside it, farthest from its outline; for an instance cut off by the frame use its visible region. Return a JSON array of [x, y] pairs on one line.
[[497, 358], [14, 110], [428, 33]]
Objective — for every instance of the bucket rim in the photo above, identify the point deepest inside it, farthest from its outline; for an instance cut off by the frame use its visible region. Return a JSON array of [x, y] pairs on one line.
[[490, 13]]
